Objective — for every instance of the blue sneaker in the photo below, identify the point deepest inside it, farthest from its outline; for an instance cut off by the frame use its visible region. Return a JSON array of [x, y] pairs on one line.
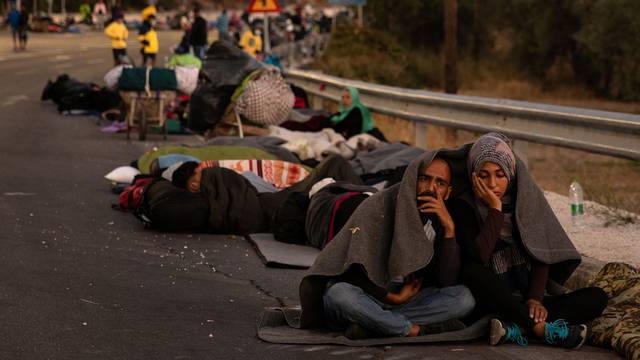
[[562, 334], [502, 332]]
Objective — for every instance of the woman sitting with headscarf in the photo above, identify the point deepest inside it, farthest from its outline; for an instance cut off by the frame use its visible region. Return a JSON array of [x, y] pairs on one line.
[[353, 118], [512, 246]]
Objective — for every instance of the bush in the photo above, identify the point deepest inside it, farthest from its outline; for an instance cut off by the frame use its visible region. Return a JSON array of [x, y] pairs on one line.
[[609, 48], [374, 56]]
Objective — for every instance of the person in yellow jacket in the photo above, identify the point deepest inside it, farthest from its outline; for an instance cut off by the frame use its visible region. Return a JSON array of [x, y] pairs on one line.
[[148, 12], [250, 42], [118, 34], [149, 43]]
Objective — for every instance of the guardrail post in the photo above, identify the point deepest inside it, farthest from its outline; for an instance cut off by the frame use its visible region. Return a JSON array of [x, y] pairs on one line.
[[420, 135], [317, 103], [521, 148]]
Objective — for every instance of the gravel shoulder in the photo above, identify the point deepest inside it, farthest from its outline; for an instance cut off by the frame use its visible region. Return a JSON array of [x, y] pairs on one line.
[[601, 236]]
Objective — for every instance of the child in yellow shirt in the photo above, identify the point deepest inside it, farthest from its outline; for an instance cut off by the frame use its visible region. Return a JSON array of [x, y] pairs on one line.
[[149, 42], [118, 34]]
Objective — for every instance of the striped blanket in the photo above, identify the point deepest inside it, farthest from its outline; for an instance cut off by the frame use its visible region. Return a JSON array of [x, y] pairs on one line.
[[281, 174]]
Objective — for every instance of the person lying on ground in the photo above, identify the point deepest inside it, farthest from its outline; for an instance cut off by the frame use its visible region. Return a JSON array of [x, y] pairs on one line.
[[392, 269], [512, 245], [215, 183]]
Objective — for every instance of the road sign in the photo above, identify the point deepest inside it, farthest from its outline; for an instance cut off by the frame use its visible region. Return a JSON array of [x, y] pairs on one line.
[[264, 6]]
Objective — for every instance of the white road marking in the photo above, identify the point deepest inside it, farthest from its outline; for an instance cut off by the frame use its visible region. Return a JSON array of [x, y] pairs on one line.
[[11, 100], [61, 58], [19, 193], [26, 72]]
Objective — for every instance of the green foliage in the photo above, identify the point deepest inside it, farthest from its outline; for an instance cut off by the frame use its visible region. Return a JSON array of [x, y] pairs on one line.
[[609, 45], [592, 42], [375, 56]]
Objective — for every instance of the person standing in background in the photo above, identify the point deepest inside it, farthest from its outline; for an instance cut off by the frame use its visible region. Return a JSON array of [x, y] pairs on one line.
[[149, 11], [198, 34], [23, 27], [100, 13], [223, 23], [13, 19], [149, 42], [118, 33], [85, 12]]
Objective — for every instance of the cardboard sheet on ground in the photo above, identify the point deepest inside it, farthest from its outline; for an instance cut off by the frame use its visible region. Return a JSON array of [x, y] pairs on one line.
[[278, 254], [280, 326]]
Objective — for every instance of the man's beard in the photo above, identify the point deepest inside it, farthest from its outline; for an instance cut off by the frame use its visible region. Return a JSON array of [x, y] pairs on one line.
[[424, 217]]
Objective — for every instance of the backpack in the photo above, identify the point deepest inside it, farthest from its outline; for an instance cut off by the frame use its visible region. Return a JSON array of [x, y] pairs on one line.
[[131, 198]]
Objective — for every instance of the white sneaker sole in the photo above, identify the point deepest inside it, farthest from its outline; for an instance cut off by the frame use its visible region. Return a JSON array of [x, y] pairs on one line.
[[583, 334], [496, 333]]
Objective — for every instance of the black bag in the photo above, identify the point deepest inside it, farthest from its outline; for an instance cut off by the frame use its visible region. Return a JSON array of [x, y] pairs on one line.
[[223, 70], [166, 207]]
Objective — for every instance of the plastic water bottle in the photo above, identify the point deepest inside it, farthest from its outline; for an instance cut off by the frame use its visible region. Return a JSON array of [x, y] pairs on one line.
[[577, 203]]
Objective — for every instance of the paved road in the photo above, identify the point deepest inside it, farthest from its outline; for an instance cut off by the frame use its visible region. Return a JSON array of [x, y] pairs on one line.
[[80, 280]]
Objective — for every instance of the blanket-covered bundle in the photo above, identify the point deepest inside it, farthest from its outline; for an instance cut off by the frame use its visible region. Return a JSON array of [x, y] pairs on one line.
[[168, 208], [234, 204], [147, 79], [224, 69], [619, 325], [267, 99], [70, 94], [226, 204]]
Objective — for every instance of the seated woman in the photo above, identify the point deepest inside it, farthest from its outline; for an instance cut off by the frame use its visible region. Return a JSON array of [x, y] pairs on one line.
[[512, 245], [353, 118]]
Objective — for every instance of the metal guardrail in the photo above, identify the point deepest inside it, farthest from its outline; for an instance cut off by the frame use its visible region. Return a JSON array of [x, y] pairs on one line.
[[301, 52], [608, 133]]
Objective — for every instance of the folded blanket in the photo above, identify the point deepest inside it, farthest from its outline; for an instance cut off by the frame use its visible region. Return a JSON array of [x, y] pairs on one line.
[[280, 173], [204, 153]]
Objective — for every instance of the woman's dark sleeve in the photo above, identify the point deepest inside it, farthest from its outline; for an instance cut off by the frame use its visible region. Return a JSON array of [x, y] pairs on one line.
[[351, 125], [477, 241], [538, 280]]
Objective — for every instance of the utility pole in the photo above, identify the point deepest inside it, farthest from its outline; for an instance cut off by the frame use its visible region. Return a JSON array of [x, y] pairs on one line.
[[450, 46]]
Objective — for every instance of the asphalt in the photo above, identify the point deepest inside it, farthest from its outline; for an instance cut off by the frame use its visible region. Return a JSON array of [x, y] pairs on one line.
[[79, 280]]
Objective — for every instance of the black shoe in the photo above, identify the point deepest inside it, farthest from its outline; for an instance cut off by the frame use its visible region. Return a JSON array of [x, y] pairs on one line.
[[357, 332], [441, 327], [568, 336]]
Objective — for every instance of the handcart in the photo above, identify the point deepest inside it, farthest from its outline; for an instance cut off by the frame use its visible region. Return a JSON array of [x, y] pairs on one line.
[[145, 108]]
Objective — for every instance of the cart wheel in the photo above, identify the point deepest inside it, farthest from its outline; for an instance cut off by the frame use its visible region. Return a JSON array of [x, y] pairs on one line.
[[142, 130]]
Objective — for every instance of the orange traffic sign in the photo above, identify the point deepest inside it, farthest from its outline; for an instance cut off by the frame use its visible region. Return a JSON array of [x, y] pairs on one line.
[[264, 6]]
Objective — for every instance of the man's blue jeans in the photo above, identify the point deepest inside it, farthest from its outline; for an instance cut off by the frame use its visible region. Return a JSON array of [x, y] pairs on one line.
[[345, 304]]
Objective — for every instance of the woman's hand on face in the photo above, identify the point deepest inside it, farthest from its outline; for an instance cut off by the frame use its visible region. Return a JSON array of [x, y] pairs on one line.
[[537, 311], [483, 193]]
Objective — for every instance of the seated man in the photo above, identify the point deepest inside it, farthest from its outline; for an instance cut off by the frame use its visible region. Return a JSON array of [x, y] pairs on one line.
[[402, 233]]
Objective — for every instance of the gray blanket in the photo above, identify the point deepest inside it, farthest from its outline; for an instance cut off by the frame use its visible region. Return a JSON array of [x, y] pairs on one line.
[[384, 235], [280, 326], [389, 156]]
